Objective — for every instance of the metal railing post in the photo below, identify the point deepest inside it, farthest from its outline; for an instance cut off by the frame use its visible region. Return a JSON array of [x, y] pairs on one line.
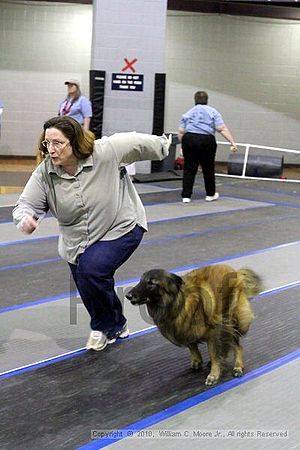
[[245, 160]]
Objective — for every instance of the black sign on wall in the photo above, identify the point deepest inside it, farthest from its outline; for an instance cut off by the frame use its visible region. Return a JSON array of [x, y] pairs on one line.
[[126, 82]]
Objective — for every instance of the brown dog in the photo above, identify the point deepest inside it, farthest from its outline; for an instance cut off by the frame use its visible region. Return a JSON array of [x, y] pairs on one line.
[[210, 304]]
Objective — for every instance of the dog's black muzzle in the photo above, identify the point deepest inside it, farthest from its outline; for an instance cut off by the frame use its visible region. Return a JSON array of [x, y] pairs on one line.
[[130, 297], [135, 300]]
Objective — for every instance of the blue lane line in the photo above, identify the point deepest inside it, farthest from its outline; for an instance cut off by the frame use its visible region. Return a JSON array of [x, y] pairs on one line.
[[150, 222], [218, 230], [252, 199], [268, 191], [168, 238], [32, 263], [154, 221], [134, 335], [55, 359], [45, 363], [277, 289], [230, 257], [28, 241], [37, 302], [175, 219], [154, 203], [207, 214], [135, 280], [227, 183], [190, 402], [288, 205], [271, 203]]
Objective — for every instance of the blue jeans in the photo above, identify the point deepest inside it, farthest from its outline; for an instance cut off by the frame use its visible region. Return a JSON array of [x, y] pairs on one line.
[[94, 278]]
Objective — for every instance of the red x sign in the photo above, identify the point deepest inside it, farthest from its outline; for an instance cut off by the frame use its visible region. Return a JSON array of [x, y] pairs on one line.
[[129, 65]]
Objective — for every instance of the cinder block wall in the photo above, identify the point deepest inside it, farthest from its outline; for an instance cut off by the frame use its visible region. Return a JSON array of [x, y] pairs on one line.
[[132, 30], [250, 68], [42, 44], [129, 29]]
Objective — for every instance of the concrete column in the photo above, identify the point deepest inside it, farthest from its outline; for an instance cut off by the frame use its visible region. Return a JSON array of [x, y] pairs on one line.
[[129, 33]]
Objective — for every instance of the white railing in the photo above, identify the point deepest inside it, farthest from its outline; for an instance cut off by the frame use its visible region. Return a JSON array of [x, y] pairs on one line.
[[247, 150]]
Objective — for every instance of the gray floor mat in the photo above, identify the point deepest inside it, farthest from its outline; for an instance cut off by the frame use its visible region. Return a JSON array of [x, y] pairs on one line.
[[94, 390]]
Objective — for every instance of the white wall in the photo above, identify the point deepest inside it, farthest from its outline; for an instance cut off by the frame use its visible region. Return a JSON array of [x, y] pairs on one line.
[[250, 68], [132, 29], [41, 45], [129, 29]]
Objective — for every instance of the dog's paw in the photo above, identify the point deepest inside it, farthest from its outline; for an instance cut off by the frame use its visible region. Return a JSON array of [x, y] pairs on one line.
[[238, 372], [211, 380], [196, 364]]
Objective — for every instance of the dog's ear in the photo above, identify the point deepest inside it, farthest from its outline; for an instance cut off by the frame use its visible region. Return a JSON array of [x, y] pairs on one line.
[[176, 279]]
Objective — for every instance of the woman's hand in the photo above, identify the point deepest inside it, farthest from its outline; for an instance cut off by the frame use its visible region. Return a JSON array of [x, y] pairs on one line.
[[166, 144], [28, 224], [169, 138]]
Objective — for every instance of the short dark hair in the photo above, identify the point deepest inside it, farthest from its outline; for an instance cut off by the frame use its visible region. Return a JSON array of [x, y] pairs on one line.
[[201, 98], [82, 141]]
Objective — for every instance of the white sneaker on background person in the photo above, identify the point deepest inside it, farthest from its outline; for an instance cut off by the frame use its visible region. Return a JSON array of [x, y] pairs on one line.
[[186, 200], [211, 198]]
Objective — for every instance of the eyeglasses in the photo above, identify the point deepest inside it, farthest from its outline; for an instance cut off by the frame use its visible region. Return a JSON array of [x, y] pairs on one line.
[[55, 144]]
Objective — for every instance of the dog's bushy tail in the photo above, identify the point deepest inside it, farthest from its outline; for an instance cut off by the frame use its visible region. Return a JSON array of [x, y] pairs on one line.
[[252, 281], [240, 315], [209, 304], [248, 284]]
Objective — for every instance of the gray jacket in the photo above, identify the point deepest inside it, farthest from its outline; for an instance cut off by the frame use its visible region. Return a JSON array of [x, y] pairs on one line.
[[100, 201]]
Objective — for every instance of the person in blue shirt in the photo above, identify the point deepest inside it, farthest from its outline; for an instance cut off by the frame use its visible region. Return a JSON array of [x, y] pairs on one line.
[[76, 105], [197, 135]]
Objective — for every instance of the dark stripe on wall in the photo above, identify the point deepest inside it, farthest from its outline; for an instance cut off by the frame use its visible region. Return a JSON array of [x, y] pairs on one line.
[[159, 103], [97, 92], [158, 112]]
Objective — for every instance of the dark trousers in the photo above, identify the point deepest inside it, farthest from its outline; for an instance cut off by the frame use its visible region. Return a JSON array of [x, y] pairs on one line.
[[94, 278], [198, 149]]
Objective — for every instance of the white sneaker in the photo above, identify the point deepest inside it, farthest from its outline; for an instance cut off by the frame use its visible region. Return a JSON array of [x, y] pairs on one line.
[[186, 200], [211, 198], [97, 341], [122, 334]]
